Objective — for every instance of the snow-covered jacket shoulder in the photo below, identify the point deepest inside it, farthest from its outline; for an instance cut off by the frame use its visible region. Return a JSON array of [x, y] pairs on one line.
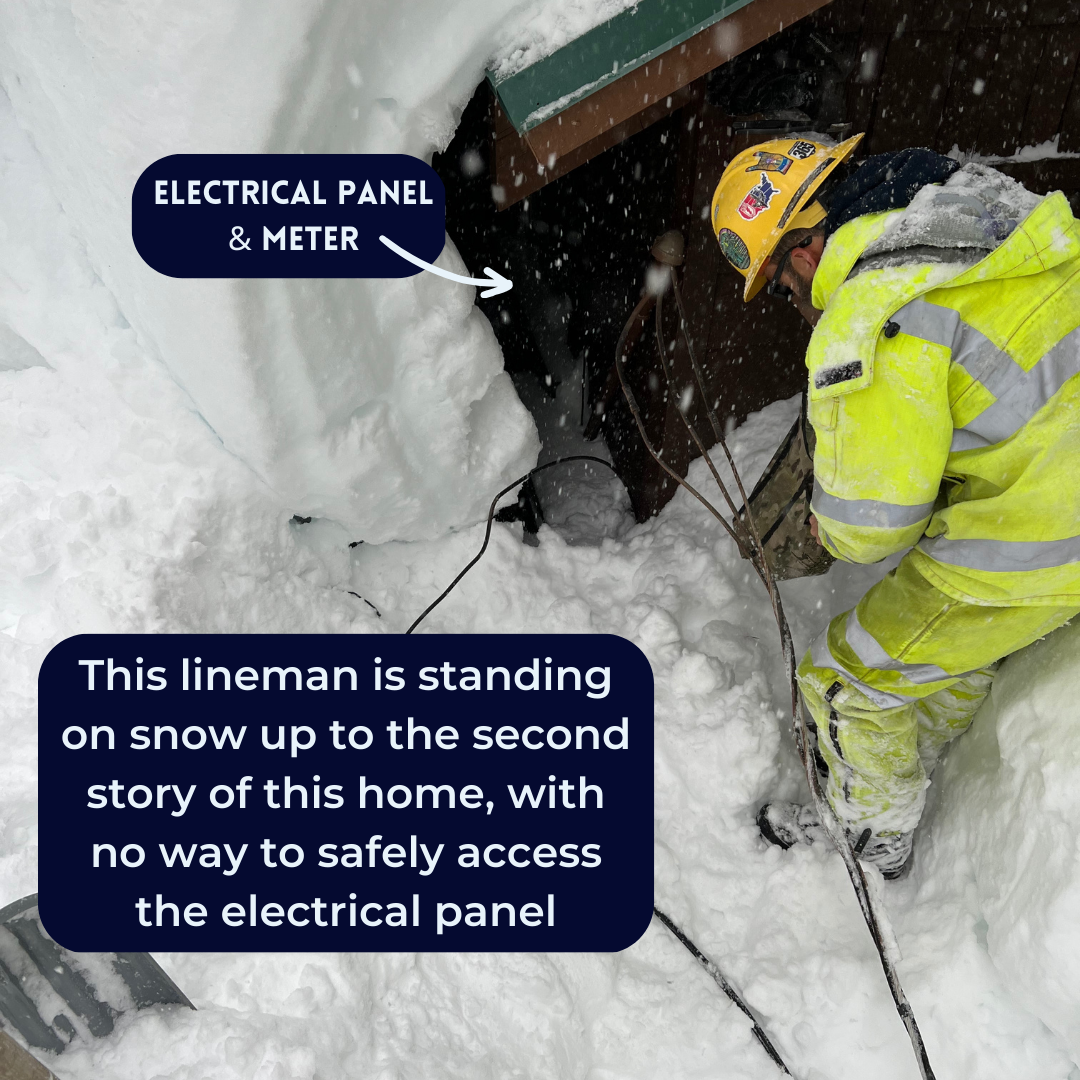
[[948, 337]]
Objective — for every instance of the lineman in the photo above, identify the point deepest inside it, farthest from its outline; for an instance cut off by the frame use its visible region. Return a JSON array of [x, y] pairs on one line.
[[945, 395]]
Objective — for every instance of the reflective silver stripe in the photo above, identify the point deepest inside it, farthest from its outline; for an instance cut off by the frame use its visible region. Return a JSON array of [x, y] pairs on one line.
[[965, 439], [1021, 394], [869, 512], [984, 361], [823, 658], [931, 322], [1003, 556], [971, 349], [827, 541], [1024, 399], [867, 649]]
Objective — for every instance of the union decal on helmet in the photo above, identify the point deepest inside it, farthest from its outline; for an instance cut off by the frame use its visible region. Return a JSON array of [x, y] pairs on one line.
[[735, 251], [758, 198]]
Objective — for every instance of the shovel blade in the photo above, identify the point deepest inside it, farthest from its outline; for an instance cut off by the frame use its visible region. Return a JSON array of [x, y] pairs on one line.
[[27, 940]]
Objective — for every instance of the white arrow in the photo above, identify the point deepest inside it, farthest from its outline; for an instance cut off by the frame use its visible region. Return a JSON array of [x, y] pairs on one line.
[[493, 284]]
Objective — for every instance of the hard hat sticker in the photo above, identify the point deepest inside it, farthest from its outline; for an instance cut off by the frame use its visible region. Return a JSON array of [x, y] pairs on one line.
[[802, 149], [288, 215], [758, 198], [734, 249], [770, 162]]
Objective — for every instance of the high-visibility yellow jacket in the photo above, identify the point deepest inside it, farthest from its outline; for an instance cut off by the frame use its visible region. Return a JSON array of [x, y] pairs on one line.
[[946, 403]]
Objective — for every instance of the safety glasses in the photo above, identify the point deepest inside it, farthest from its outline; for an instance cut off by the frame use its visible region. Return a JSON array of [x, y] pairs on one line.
[[775, 287]]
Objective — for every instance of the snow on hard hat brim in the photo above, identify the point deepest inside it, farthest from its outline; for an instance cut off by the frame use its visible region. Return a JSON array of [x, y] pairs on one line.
[[793, 215]]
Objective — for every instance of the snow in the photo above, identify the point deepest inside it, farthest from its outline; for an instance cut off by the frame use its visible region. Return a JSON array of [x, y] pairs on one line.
[[1037, 152], [1011, 787], [384, 407], [159, 436], [977, 207], [545, 27], [545, 112]]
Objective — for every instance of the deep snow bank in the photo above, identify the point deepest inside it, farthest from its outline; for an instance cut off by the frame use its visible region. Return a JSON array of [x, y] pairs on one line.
[[381, 404], [1009, 821]]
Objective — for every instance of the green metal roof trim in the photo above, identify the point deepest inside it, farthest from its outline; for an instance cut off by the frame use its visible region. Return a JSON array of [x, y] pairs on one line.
[[628, 41]]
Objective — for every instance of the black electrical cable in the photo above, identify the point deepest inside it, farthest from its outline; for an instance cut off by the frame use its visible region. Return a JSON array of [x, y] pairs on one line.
[[491, 517], [732, 993]]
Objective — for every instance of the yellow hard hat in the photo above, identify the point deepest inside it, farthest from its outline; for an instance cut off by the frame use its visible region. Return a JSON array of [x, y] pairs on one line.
[[767, 190]]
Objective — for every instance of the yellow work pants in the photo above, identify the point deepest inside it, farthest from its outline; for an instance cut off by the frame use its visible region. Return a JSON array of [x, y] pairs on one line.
[[894, 680]]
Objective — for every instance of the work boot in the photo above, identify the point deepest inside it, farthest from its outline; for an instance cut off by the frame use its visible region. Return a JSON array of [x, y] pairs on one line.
[[890, 853], [786, 824]]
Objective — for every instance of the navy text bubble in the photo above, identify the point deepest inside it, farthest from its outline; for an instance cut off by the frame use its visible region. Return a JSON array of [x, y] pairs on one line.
[[287, 215], [456, 799]]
